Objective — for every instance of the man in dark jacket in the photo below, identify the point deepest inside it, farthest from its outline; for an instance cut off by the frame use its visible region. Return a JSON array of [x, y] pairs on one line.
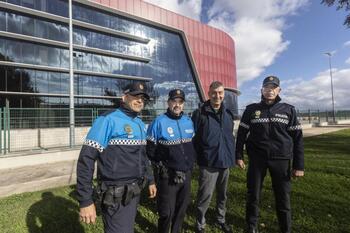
[[170, 148], [274, 140], [214, 144], [117, 140]]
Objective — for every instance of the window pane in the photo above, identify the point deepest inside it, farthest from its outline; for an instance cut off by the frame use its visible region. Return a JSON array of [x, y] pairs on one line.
[[54, 80], [41, 82], [3, 77], [13, 23], [2, 21], [14, 80], [28, 51], [2, 49], [28, 81], [64, 83], [13, 51]]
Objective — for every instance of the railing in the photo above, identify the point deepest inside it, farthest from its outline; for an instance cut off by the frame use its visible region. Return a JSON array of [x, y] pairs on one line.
[[27, 129], [312, 116]]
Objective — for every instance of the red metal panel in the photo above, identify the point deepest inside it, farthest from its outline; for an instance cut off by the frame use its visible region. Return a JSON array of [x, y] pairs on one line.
[[113, 4], [105, 2], [163, 16], [122, 5], [137, 8], [143, 9]]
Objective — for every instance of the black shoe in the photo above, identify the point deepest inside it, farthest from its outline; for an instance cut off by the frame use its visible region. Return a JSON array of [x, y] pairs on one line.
[[225, 227]]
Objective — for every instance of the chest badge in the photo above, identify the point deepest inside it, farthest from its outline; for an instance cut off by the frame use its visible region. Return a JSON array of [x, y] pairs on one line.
[[128, 130], [170, 131], [257, 113]]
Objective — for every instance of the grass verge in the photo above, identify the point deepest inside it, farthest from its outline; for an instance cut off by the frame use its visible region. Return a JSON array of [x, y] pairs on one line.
[[320, 200]]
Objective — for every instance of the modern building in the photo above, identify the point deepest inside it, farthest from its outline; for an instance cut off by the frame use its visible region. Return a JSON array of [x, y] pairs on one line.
[[115, 42]]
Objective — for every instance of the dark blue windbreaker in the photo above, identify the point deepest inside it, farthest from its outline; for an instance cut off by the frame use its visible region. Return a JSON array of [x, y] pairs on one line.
[[214, 140], [118, 142]]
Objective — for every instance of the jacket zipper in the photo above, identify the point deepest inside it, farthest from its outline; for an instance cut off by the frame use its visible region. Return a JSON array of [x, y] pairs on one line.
[[140, 151], [178, 126]]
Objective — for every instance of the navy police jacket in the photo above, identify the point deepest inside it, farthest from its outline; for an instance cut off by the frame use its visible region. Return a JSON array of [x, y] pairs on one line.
[[117, 140], [169, 140], [271, 132], [214, 140]]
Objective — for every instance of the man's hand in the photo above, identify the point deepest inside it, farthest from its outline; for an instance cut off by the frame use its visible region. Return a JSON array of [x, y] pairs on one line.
[[88, 214], [152, 191], [240, 163], [297, 173]]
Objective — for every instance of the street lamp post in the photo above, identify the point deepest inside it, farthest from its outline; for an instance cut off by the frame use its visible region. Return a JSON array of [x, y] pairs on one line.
[[330, 73]]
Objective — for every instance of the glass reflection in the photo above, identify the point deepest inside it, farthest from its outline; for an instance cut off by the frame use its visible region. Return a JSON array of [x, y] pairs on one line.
[[56, 7]]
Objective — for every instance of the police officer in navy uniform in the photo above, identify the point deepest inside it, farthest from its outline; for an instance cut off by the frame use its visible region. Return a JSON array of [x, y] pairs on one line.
[[170, 148], [274, 141], [117, 141]]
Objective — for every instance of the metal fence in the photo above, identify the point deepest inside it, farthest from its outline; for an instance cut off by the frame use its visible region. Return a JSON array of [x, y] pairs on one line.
[[25, 129], [312, 116]]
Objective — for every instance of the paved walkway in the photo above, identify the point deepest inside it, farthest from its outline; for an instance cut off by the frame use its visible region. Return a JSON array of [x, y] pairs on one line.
[[324, 129]]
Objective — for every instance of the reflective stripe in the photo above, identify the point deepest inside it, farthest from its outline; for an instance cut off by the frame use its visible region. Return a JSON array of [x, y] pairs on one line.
[[267, 120], [175, 142], [150, 138], [295, 127], [127, 142], [244, 125], [94, 144]]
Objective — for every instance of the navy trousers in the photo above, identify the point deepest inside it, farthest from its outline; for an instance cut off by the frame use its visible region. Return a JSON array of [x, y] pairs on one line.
[[280, 175], [172, 202], [120, 218]]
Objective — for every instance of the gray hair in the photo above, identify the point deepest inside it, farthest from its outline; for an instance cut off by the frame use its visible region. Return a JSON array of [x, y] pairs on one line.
[[215, 84]]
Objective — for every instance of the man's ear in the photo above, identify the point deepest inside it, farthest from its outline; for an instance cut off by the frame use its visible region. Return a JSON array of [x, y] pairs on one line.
[[123, 98]]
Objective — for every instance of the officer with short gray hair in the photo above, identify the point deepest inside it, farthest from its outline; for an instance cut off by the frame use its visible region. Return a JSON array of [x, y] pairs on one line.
[[274, 141]]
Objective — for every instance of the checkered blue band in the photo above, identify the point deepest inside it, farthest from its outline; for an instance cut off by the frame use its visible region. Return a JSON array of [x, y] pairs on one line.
[[129, 142], [150, 138], [295, 127], [94, 144], [175, 142], [244, 125], [268, 120]]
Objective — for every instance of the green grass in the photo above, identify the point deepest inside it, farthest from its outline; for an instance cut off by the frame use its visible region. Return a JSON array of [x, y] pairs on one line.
[[320, 200]]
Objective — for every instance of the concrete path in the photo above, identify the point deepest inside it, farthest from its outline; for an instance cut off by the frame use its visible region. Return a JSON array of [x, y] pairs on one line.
[[324, 129]]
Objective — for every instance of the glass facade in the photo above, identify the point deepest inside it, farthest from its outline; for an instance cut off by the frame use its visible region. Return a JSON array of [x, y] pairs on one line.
[[168, 66]]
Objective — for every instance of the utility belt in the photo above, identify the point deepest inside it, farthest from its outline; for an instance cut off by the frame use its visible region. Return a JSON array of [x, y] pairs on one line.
[[113, 195], [163, 172]]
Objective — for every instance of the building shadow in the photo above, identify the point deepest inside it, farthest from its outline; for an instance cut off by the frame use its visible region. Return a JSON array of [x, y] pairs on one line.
[[53, 214]]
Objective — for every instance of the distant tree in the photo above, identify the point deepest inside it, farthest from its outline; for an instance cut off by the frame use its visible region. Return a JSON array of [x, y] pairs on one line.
[[340, 5]]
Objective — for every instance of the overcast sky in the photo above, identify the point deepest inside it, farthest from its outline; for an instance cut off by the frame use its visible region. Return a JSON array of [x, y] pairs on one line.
[[286, 38]]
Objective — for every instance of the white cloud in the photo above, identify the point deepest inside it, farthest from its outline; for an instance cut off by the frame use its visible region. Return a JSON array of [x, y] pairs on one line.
[[189, 8], [347, 61], [316, 93], [257, 30], [347, 44]]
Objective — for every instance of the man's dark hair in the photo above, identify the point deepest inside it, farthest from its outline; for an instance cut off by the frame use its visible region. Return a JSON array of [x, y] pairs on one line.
[[215, 85]]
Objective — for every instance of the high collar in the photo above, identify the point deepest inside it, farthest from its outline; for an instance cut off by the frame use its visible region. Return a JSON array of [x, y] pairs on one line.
[[278, 99], [209, 108], [125, 109], [171, 115]]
